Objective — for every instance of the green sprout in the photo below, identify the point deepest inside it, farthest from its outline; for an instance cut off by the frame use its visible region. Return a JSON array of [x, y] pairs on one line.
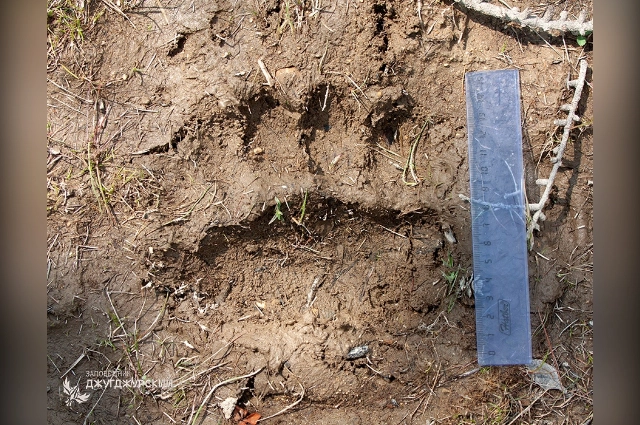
[[278, 211], [304, 206], [582, 39]]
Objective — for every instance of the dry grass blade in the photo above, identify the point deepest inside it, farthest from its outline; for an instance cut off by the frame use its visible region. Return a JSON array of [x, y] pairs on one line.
[[120, 323], [160, 314], [73, 365], [164, 14], [218, 385], [289, 407], [186, 215], [527, 408], [118, 11], [411, 160]]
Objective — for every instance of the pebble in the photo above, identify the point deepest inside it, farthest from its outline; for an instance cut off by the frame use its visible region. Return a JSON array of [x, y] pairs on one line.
[[357, 352]]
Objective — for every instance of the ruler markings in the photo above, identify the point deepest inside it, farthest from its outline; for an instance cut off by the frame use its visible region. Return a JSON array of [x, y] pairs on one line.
[[498, 218]]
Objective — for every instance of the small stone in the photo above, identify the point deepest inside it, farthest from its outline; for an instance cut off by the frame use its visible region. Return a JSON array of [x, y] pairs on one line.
[[258, 151], [124, 77], [448, 235], [291, 81], [145, 101], [357, 352]]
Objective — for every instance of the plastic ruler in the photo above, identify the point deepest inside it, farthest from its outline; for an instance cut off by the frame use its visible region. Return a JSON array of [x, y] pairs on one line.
[[501, 280]]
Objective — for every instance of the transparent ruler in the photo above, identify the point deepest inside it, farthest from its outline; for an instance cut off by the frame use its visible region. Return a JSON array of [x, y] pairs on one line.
[[498, 223]]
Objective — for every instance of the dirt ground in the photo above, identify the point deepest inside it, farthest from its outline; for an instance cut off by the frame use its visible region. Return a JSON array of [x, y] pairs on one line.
[[225, 237]]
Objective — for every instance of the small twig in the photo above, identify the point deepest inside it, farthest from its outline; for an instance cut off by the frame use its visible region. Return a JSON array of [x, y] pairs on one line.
[[291, 406], [312, 292], [377, 372], [391, 231], [464, 28], [266, 73], [220, 384], [526, 19], [326, 95]]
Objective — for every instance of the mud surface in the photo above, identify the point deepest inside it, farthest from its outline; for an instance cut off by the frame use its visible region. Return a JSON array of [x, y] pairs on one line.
[[204, 224]]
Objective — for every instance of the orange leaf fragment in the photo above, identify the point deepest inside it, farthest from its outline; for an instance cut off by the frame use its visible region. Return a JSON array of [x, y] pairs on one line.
[[252, 419]]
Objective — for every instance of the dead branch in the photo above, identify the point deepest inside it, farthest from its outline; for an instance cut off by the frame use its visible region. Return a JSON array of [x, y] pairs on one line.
[[526, 19]]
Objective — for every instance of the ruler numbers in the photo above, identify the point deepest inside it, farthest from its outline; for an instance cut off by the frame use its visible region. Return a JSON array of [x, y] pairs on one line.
[[498, 219]]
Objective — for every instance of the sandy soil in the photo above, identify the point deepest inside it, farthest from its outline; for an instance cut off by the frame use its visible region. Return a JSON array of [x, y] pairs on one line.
[[205, 225]]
